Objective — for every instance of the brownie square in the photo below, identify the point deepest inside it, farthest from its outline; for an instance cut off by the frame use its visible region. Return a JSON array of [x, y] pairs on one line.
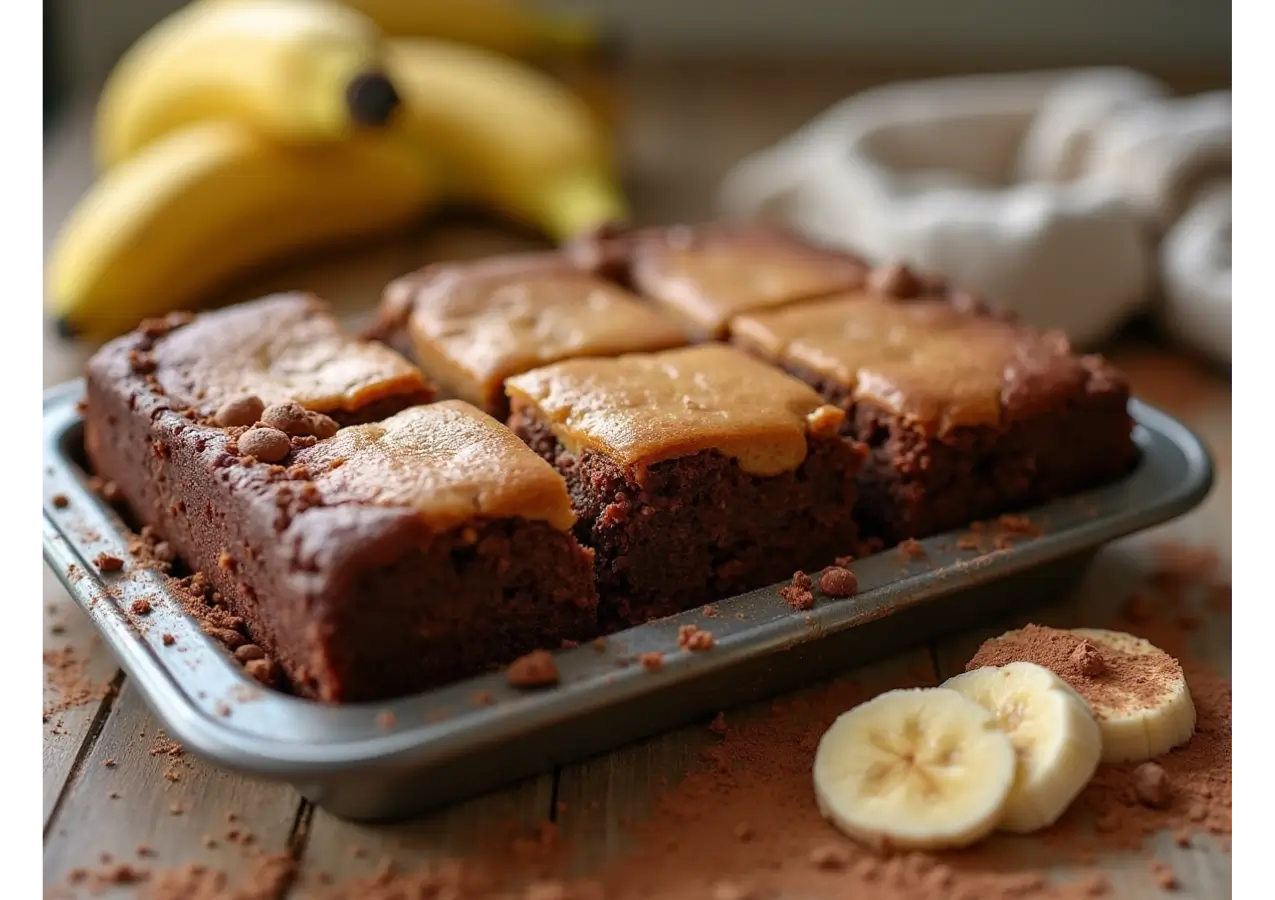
[[709, 273], [472, 325], [287, 347], [966, 414], [695, 474], [383, 559]]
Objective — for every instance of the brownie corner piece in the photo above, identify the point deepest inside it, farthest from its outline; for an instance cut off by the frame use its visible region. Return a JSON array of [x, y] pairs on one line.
[[700, 491], [965, 414]]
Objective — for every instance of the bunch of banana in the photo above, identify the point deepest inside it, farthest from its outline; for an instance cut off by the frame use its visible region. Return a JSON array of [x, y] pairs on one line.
[[239, 131], [999, 748]]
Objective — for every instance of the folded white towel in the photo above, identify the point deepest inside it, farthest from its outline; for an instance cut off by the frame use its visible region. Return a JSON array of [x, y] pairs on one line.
[[1195, 269], [1045, 191]]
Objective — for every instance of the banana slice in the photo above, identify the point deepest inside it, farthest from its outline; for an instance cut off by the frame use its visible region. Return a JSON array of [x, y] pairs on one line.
[[919, 769], [1053, 732], [1140, 717]]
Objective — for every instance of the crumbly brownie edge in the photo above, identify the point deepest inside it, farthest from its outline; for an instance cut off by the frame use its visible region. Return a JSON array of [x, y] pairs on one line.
[[647, 526], [289, 568], [914, 484]]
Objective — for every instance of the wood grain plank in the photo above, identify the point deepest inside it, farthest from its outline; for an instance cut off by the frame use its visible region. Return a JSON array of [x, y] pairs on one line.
[[75, 665], [599, 799], [336, 850], [146, 798]]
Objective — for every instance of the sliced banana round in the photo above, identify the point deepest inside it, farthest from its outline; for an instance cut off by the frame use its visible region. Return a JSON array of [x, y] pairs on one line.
[[1144, 717], [1054, 734], [919, 769]]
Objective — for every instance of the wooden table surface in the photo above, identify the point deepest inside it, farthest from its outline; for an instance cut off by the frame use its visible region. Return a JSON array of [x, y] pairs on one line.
[[686, 124]]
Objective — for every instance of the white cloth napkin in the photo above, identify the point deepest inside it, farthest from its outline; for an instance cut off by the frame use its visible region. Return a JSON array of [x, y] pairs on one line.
[[1047, 192]]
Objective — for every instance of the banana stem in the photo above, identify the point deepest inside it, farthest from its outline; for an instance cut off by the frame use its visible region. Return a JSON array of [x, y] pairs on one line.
[[568, 206]]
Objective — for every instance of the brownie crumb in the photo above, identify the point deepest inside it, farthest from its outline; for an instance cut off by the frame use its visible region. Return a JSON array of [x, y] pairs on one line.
[[709, 611], [105, 562], [798, 598], [568, 644], [831, 857], [967, 542], [263, 671], [240, 412], [141, 607], [269, 445], [600, 644], [110, 763], [1018, 525], [801, 581], [61, 501], [911, 549], [653, 661], [1163, 875], [694, 638], [249, 652], [843, 561], [536, 669], [385, 719], [1151, 784], [168, 639], [839, 582]]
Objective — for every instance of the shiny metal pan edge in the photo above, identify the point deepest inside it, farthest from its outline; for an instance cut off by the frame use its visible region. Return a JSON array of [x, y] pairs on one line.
[[397, 758]]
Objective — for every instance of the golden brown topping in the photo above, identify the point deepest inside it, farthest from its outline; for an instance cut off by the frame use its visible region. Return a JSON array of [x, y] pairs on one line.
[[922, 359], [448, 460], [278, 349], [712, 274], [474, 326], [644, 408]]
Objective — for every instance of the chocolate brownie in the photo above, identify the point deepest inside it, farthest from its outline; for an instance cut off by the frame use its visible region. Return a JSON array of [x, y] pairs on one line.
[[287, 347], [472, 325], [710, 273], [966, 414], [380, 560], [695, 474]]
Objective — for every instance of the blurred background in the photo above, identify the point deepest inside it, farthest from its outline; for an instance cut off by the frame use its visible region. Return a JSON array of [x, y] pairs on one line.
[[1191, 38], [1097, 196]]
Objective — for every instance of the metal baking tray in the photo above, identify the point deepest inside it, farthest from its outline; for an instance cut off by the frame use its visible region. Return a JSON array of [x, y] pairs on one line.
[[395, 759]]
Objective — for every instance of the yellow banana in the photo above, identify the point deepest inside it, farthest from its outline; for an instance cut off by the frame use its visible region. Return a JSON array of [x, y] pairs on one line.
[[302, 71], [508, 136], [203, 204], [499, 25]]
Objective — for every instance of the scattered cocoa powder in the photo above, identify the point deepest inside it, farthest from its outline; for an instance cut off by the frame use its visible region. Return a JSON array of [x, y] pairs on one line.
[[536, 669], [66, 680]]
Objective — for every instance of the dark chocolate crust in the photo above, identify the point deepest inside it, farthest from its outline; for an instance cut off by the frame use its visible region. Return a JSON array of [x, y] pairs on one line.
[[692, 530], [357, 602], [1048, 444]]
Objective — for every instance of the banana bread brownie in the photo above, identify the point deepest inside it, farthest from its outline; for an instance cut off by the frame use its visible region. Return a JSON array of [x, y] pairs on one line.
[[709, 273], [965, 413], [472, 325], [695, 474], [370, 561]]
